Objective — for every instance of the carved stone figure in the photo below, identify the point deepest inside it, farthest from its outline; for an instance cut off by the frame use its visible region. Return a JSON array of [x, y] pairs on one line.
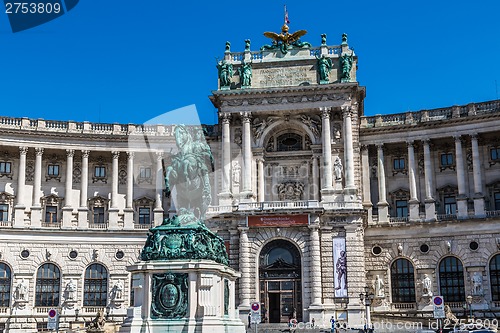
[[312, 124], [426, 286], [247, 44], [346, 61], [21, 291], [400, 248], [228, 47], [260, 127], [338, 168], [323, 39], [378, 287], [236, 172], [225, 73], [477, 283], [245, 72], [448, 246], [290, 191], [325, 66], [336, 131], [97, 324], [117, 291], [70, 290], [452, 319]]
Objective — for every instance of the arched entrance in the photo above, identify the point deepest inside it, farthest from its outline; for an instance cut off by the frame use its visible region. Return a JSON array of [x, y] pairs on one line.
[[280, 281]]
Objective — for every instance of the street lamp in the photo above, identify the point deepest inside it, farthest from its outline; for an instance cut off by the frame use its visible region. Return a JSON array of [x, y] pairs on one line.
[[469, 301], [77, 312], [368, 297], [108, 310]]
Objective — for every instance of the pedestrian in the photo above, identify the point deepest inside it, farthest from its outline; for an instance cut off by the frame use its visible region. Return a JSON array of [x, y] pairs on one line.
[[313, 322], [250, 320], [333, 325]]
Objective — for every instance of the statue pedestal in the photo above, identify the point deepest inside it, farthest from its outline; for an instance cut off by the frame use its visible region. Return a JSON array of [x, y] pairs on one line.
[[191, 296]]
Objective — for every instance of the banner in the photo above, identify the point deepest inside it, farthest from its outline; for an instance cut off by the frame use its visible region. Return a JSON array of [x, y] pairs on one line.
[[278, 220], [340, 267]]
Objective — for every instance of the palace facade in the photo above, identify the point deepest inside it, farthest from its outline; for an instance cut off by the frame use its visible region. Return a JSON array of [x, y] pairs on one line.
[[316, 202]]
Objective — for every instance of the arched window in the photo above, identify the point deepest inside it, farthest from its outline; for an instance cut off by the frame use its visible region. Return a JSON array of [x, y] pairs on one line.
[[402, 281], [451, 280], [289, 142], [5, 280], [48, 284], [495, 278], [95, 288]]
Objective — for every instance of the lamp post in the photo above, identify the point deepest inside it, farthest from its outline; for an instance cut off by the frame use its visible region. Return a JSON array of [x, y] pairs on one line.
[[469, 301], [108, 310], [77, 312], [367, 297]]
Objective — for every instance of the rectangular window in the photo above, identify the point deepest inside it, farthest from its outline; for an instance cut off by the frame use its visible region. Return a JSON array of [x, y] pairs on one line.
[[450, 205], [51, 214], [5, 167], [495, 154], [100, 172], [401, 208], [144, 172], [4, 212], [53, 170], [144, 215], [399, 164], [98, 214], [447, 159], [497, 200]]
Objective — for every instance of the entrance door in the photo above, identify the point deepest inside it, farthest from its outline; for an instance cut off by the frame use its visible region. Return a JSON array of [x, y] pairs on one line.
[[280, 282]]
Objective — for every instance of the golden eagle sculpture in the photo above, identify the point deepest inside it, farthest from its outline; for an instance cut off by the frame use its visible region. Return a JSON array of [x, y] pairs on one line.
[[285, 40]]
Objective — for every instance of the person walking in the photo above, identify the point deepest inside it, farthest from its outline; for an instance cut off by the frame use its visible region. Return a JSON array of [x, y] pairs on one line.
[[250, 320]]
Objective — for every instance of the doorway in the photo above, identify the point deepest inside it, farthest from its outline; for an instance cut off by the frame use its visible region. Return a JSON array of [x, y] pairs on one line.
[[280, 282]]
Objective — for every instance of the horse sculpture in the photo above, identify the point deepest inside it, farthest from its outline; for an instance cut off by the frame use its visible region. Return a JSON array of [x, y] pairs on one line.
[[189, 173]]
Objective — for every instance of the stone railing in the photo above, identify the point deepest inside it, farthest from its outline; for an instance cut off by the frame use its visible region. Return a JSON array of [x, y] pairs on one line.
[[102, 225], [55, 225], [431, 115], [279, 205], [396, 220], [259, 56], [143, 226], [41, 125], [342, 205], [403, 306], [446, 217], [492, 213]]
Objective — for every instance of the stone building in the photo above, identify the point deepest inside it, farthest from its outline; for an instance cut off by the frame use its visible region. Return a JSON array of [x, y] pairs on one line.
[[315, 201]]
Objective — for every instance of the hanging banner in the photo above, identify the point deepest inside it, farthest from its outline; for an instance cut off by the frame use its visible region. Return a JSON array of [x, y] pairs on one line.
[[340, 268]]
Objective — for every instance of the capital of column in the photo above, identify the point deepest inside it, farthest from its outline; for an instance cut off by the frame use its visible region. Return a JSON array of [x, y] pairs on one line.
[[474, 136], [243, 230], [159, 155], [130, 155], [380, 147], [325, 113], [347, 111], [226, 118], [457, 138], [313, 227], [85, 153], [364, 147], [39, 151], [70, 153], [245, 116], [410, 143], [23, 150], [116, 154]]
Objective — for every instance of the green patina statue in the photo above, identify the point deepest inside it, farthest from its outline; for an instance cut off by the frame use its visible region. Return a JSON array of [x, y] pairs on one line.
[[325, 66], [346, 61], [323, 39], [228, 47], [225, 73], [245, 72], [247, 44], [185, 235]]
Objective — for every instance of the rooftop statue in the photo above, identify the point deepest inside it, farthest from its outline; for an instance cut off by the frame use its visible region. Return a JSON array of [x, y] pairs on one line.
[[285, 40], [225, 70], [185, 235]]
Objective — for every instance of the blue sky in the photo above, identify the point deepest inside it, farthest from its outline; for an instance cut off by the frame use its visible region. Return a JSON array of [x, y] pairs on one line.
[[129, 61]]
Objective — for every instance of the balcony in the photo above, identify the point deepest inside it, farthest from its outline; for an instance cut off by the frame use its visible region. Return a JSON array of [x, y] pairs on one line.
[[101, 225], [404, 306], [143, 226], [278, 205], [53, 225]]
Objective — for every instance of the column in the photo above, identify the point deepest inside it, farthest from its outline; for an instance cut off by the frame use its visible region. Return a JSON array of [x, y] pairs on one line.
[[478, 185], [430, 202], [113, 210], [383, 206], [19, 208], [261, 183], [365, 165], [462, 196], [244, 260], [128, 218], [349, 151], [413, 203], [68, 209], [160, 181], [225, 195], [315, 177], [84, 182], [247, 158], [315, 265], [327, 153], [36, 208]]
